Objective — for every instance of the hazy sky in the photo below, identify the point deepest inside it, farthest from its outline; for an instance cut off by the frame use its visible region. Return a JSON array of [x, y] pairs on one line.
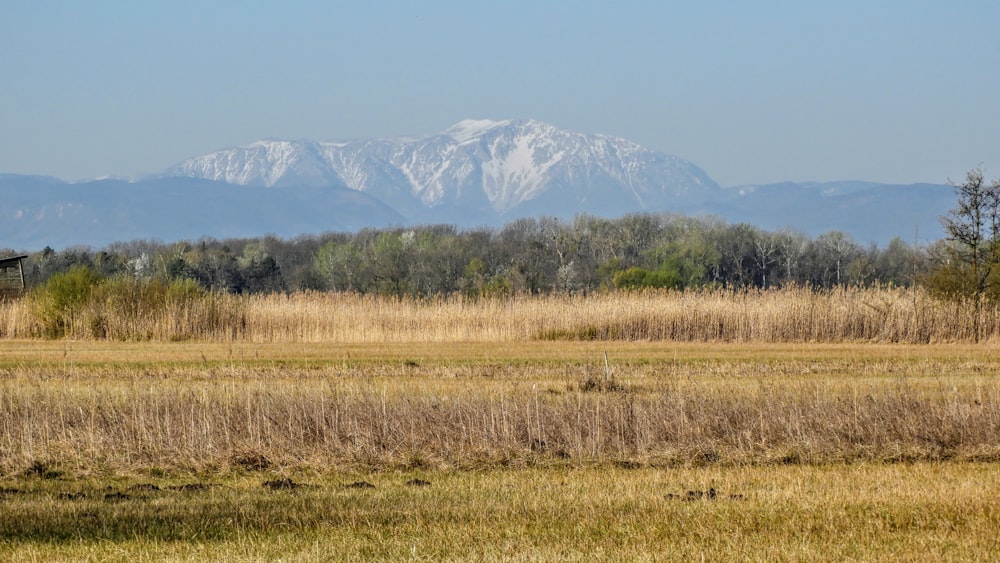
[[753, 92]]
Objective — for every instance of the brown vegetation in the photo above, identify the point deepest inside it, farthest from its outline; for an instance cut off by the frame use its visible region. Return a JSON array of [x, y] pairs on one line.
[[778, 315], [185, 424], [712, 405]]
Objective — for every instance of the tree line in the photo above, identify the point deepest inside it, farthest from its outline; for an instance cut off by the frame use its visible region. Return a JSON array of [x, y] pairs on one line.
[[530, 255], [548, 255]]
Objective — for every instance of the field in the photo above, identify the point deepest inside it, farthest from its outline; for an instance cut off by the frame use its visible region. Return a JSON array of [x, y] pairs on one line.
[[549, 446]]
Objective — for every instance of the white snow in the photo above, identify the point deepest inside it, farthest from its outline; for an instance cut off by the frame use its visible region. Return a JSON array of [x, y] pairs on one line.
[[511, 178], [519, 162], [470, 129]]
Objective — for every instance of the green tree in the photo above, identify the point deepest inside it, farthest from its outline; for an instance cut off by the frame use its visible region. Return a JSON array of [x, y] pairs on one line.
[[343, 266], [641, 278]]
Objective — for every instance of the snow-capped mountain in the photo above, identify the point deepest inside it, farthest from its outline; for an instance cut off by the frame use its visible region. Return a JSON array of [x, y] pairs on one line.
[[479, 166], [475, 173]]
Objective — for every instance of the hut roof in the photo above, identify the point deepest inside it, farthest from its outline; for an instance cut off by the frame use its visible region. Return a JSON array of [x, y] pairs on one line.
[[11, 260]]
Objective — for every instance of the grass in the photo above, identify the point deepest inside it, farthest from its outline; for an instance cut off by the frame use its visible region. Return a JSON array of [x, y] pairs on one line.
[[745, 441], [189, 408], [905, 511]]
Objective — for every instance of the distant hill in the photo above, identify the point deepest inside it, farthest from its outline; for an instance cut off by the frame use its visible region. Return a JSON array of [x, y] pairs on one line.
[[39, 212], [868, 211], [475, 173]]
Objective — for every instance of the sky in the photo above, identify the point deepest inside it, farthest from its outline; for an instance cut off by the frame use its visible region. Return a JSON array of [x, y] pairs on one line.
[[752, 92]]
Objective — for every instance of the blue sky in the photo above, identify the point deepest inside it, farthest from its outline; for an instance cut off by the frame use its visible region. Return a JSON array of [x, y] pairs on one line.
[[753, 92]]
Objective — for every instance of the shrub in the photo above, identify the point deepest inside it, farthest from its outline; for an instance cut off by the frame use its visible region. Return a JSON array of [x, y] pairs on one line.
[[641, 278], [59, 302]]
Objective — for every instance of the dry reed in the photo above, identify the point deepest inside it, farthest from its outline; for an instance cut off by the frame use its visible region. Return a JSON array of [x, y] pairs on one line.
[[777, 315], [219, 419]]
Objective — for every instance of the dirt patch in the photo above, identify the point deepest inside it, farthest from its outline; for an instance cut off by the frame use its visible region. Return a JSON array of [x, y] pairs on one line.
[[361, 485], [143, 488], [628, 464], [710, 494], [192, 487], [252, 461], [285, 484], [42, 470]]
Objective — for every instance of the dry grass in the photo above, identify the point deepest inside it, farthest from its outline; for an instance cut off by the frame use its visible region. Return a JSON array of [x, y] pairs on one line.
[[534, 448], [784, 315], [722, 451], [910, 512], [107, 408]]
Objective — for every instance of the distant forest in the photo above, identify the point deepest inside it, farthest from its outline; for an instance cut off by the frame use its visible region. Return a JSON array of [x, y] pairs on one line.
[[543, 255]]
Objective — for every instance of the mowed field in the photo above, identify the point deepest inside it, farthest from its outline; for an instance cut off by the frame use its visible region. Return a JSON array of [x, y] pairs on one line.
[[506, 449]]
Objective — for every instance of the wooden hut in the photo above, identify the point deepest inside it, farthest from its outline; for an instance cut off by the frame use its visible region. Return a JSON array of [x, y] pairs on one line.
[[11, 276]]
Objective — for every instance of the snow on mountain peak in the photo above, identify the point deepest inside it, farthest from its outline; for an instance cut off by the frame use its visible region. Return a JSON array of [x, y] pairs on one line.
[[469, 129], [479, 162]]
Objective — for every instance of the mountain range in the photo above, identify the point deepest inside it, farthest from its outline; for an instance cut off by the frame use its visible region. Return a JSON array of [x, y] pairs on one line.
[[476, 167], [475, 173]]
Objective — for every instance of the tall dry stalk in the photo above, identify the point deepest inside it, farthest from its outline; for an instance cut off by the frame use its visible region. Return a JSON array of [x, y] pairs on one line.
[[790, 314], [187, 422]]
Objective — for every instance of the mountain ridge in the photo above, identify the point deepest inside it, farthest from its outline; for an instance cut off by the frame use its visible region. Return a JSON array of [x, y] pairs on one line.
[[473, 173], [511, 162]]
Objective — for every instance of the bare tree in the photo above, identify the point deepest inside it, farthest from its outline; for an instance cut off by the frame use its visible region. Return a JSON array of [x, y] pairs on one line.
[[973, 231]]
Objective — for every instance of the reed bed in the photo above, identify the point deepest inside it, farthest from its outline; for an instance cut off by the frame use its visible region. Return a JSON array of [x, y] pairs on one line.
[[792, 314], [405, 417]]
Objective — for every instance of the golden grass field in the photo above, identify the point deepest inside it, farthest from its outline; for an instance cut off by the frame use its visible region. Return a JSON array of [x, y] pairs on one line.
[[536, 443]]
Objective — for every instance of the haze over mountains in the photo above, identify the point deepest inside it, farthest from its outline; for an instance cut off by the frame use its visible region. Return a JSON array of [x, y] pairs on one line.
[[477, 172]]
